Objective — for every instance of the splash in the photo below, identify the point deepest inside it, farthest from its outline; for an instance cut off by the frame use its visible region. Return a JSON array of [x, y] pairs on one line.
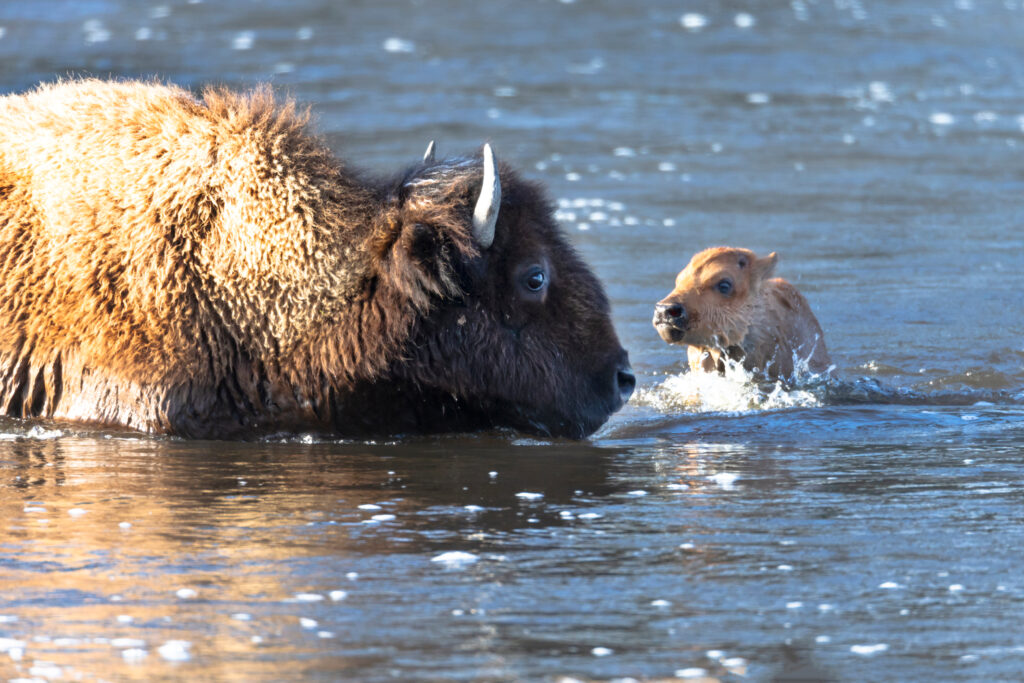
[[735, 391]]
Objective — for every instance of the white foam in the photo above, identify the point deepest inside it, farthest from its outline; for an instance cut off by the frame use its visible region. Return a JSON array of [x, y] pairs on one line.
[[455, 559], [868, 650], [735, 391], [307, 623], [942, 118], [134, 654], [308, 597], [744, 20], [601, 651], [527, 495], [691, 672], [369, 506], [186, 593], [796, 604], [243, 41], [175, 650], [398, 45], [383, 518], [77, 512], [727, 480], [122, 643], [660, 603], [692, 21], [337, 596], [889, 585], [639, 493]]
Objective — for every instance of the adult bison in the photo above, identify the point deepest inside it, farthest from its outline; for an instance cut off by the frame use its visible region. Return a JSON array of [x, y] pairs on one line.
[[207, 268]]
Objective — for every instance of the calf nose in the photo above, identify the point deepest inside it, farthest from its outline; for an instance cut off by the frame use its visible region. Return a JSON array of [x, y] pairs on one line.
[[670, 314]]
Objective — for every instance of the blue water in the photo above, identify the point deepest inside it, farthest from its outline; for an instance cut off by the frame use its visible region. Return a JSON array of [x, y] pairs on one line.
[[863, 529]]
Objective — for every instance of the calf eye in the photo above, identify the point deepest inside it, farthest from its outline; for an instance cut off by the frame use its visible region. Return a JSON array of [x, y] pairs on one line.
[[535, 279], [724, 287]]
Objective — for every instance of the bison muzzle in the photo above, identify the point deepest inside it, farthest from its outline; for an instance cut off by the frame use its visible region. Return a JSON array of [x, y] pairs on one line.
[[206, 267]]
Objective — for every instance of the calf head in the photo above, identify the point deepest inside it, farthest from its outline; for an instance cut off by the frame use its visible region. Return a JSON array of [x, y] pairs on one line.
[[714, 299], [512, 327]]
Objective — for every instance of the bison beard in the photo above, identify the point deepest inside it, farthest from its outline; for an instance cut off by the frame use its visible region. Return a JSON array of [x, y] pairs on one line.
[[207, 268]]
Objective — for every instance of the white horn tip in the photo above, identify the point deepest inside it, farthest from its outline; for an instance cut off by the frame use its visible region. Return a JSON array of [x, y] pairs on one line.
[[428, 156]]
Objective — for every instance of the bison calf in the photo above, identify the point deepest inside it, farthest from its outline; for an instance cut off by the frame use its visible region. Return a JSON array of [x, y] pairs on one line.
[[727, 305], [206, 267]]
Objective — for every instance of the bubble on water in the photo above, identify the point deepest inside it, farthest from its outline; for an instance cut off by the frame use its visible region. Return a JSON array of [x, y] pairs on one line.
[[243, 40], [941, 118], [186, 593], [687, 546], [529, 495], [175, 650], [505, 91], [727, 480], [134, 654], [399, 45], [785, 567], [572, 176], [624, 152], [370, 506], [337, 596], [956, 588], [744, 20], [33, 508], [692, 21], [307, 623], [691, 672], [969, 659], [325, 634], [77, 512], [143, 33], [849, 139], [759, 98], [125, 525], [795, 604], [660, 603], [889, 585], [8, 619], [984, 117], [125, 618], [638, 493], [241, 616], [455, 559], [566, 514], [601, 651], [383, 518], [589, 515], [472, 508], [352, 576], [304, 33], [868, 650], [823, 639], [308, 597], [95, 31]]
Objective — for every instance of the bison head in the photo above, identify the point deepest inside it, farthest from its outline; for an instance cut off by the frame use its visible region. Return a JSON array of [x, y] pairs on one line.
[[507, 327]]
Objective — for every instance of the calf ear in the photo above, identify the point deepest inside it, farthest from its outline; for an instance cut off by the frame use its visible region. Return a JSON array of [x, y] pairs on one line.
[[764, 268]]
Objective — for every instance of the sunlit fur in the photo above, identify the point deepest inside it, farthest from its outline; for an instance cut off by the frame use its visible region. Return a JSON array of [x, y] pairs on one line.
[[206, 267], [764, 321]]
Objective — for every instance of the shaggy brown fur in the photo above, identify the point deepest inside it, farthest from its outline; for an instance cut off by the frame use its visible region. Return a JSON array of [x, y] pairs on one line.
[[206, 267], [726, 304]]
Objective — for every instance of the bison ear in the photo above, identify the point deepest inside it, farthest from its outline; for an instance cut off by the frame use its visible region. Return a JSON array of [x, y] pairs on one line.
[[485, 214], [764, 268]]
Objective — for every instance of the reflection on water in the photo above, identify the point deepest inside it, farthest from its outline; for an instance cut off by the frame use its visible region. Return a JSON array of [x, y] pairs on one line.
[[862, 528]]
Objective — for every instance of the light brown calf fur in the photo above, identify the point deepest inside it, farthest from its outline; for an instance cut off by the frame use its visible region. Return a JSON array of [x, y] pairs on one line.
[[726, 304]]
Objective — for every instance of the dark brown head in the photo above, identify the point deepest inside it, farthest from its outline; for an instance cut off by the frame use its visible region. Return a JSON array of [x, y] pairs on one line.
[[513, 329], [711, 305]]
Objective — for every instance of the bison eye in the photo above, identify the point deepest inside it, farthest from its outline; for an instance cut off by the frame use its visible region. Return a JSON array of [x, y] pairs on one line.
[[724, 286], [535, 279]]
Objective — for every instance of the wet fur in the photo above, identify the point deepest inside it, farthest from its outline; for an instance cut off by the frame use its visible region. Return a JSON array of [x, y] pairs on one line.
[[763, 323], [206, 267]]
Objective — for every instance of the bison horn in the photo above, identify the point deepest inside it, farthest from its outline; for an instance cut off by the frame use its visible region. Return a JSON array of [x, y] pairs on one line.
[[428, 156], [485, 215]]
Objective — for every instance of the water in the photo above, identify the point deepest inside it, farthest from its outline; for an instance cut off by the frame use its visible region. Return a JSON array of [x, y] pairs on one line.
[[868, 528]]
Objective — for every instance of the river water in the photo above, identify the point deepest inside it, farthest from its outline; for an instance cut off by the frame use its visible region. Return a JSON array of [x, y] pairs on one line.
[[869, 527]]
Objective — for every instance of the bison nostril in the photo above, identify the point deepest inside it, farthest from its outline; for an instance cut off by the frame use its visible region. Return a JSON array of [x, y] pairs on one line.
[[674, 310], [626, 382]]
